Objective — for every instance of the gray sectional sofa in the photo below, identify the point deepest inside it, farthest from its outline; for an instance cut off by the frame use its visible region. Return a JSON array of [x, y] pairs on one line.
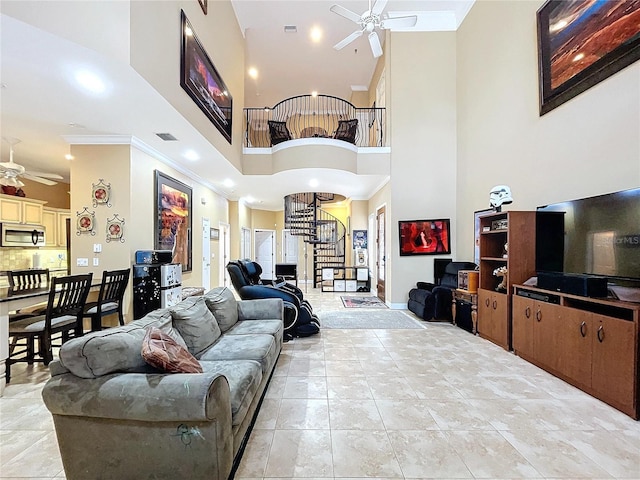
[[116, 417]]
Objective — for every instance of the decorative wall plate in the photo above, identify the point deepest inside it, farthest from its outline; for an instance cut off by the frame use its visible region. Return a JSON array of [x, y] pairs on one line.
[[101, 192], [85, 222], [115, 229]]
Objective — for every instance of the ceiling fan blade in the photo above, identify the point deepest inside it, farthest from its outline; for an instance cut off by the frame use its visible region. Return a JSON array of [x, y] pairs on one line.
[[340, 45], [39, 179], [399, 22], [53, 176], [378, 7], [374, 41], [348, 14]]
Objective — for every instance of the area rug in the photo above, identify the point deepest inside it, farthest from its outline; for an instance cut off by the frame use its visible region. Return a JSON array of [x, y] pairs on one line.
[[362, 302], [389, 319]]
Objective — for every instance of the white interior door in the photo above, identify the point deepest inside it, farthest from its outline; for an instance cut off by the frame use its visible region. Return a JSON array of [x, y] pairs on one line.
[[225, 253], [245, 242], [265, 243], [289, 247], [206, 254]]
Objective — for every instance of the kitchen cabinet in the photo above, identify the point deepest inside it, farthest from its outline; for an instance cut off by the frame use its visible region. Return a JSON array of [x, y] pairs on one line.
[[588, 342], [54, 221], [20, 210]]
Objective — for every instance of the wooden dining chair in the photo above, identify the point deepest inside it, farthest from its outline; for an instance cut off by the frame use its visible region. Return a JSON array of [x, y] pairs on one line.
[[27, 280], [110, 298], [67, 298]]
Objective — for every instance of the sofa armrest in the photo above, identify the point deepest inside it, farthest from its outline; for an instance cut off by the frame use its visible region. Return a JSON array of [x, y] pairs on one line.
[[143, 397], [261, 309]]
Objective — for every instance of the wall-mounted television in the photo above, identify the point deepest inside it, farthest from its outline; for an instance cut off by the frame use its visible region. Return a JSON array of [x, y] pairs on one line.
[[595, 236], [424, 237]]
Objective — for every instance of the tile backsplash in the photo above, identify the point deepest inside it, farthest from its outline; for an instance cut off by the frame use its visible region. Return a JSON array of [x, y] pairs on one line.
[[20, 258]]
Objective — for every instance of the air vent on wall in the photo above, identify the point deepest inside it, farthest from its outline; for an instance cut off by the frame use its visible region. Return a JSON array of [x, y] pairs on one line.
[[167, 137], [290, 29]]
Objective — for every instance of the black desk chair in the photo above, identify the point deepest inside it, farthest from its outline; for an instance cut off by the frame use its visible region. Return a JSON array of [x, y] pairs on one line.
[[26, 280], [67, 298], [114, 283]]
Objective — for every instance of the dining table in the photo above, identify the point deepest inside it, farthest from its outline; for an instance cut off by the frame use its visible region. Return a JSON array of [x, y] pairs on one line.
[[11, 300]]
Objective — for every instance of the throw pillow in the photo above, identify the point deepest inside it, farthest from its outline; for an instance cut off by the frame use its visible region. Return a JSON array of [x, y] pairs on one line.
[[196, 324], [223, 305], [346, 130], [162, 352]]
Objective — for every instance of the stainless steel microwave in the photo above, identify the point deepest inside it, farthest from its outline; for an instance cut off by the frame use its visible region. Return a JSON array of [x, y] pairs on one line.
[[21, 235]]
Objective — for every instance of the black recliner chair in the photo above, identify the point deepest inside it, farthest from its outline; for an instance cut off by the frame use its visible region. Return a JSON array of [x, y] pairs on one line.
[[431, 301], [299, 318]]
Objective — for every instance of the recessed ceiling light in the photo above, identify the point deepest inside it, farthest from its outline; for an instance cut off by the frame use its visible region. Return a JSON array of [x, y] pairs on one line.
[[313, 183], [253, 72], [68, 156], [316, 34], [228, 183], [191, 155], [90, 81]]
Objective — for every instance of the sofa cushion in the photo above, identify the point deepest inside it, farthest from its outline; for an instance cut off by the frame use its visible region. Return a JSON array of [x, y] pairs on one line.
[[244, 377], [164, 321], [162, 352], [107, 351], [244, 327], [195, 323], [224, 307], [259, 347]]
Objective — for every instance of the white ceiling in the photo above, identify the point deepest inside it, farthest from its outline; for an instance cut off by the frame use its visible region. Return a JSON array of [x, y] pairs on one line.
[[41, 106]]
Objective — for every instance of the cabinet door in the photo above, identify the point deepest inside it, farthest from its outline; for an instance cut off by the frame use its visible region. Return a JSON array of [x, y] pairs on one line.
[[614, 351], [523, 313], [546, 330], [485, 324], [574, 352], [32, 213], [50, 223], [500, 319], [11, 210]]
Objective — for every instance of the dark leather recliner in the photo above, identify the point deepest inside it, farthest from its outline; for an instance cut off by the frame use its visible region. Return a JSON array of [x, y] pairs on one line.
[[299, 318], [433, 302]]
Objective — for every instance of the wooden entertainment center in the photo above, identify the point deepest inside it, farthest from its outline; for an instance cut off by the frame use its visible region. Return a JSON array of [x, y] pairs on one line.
[[591, 343]]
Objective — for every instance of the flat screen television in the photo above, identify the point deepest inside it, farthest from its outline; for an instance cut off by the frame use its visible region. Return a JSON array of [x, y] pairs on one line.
[[424, 237], [595, 236]]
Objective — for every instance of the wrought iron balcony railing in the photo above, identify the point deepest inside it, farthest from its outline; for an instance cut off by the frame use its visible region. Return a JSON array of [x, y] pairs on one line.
[[320, 116]]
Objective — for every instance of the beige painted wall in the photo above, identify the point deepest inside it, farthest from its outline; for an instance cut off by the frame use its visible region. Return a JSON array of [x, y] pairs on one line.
[[587, 146], [423, 154], [131, 174], [155, 54], [56, 196], [381, 198]]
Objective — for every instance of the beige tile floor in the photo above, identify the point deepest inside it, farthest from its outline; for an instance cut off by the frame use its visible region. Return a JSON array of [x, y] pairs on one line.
[[427, 403]]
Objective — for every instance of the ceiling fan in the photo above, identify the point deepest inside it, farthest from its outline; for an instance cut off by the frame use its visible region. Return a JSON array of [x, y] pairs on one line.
[[11, 171], [369, 21]]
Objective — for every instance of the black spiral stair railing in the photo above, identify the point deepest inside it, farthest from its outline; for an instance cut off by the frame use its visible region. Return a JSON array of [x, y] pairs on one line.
[[324, 232]]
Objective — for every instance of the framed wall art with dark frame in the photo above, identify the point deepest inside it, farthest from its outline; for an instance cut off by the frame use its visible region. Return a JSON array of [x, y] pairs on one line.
[[173, 219], [581, 43], [424, 237], [200, 79]]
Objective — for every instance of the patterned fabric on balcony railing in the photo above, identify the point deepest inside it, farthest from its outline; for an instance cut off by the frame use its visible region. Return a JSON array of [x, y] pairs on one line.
[[322, 116]]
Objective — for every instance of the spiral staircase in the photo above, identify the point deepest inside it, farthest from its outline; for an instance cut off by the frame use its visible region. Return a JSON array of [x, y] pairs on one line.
[[322, 231]]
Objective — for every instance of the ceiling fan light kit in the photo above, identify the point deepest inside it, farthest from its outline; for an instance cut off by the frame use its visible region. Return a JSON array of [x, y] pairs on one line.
[[10, 171], [368, 22]]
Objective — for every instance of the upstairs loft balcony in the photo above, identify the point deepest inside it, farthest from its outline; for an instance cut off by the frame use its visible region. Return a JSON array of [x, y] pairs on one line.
[[314, 117]]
